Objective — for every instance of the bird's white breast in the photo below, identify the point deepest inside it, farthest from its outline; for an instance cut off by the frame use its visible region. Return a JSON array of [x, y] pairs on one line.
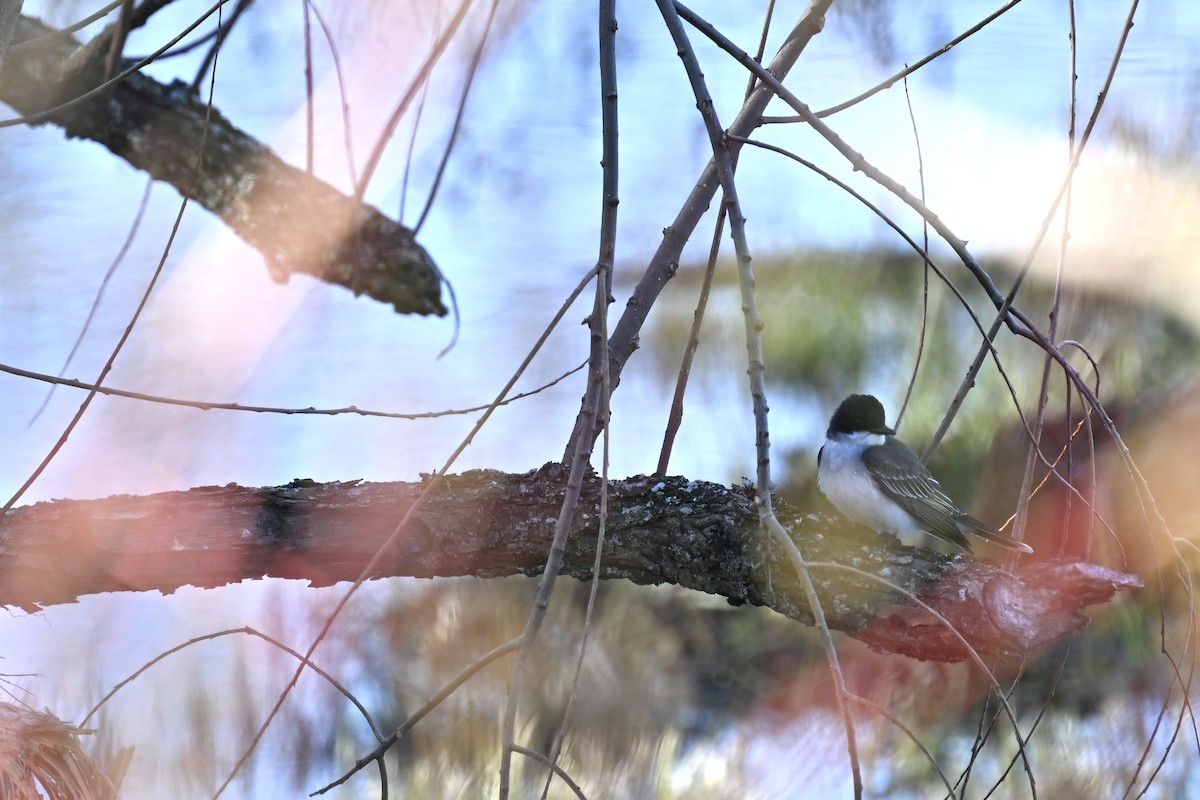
[[844, 479]]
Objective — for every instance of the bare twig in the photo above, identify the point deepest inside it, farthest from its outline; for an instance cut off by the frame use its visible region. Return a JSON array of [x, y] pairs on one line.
[[608, 226], [108, 365], [1055, 307], [468, 82], [665, 261], [309, 121], [247, 631], [552, 767], [223, 29], [87, 323], [422, 75], [595, 410], [1011, 316], [117, 47], [464, 675], [1047, 220], [675, 415], [910, 733], [757, 371], [431, 485], [336, 58], [206, 405], [912, 381], [904, 73]]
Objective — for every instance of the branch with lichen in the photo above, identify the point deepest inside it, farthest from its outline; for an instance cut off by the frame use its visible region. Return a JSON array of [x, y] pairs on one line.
[[299, 223], [694, 534]]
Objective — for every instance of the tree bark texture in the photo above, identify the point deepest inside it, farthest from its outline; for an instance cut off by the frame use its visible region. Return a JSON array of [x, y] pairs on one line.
[[694, 534], [298, 222]]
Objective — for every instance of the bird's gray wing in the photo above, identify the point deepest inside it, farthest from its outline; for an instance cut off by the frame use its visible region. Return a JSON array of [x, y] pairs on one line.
[[901, 476]]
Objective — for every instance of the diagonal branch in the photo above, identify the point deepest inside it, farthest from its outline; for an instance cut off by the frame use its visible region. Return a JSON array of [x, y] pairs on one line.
[[665, 261], [299, 223], [757, 373], [1016, 322]]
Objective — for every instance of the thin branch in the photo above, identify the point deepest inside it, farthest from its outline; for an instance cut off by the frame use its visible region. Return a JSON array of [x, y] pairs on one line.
[[912, 736], [309, 121], [1047, 220], [904, 73], [206, 405], [860, 163], [476, 58], [417, 84], [248, 631], [954, 632], [108, 365], [468, 82], [434, 483], [608, 226], [223, 29], [1056, 304], [912, 381], [117, 46], [431, 59], [87, 323], [675, 415], [336, 58], [451, 686], [554, 769], [596, 407], [665, 261], [757, 371]]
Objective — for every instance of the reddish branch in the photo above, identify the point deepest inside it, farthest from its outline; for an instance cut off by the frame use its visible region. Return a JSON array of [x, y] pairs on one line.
[[298, 222], [1015, 614], [698, 535]]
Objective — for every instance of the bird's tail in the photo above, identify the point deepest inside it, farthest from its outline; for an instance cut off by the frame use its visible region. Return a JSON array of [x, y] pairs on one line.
[[991, 534]]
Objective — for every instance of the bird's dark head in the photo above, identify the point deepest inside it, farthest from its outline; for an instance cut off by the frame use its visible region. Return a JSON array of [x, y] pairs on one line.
[[859, 413]]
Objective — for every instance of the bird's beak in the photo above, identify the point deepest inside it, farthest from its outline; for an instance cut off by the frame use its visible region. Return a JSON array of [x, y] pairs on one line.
[[885, 430]]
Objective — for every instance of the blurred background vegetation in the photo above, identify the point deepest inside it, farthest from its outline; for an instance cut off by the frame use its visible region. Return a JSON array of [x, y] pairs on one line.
[[681, 695]]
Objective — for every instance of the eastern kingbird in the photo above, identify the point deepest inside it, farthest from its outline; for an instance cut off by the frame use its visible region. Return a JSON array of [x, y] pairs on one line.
[[877, 480]]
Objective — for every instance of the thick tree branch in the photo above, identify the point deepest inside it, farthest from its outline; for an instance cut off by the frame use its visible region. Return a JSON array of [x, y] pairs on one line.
[[698, 535], [298, 222]]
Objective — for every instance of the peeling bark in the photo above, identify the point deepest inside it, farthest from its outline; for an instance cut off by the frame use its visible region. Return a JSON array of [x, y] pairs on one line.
[[484, 523]]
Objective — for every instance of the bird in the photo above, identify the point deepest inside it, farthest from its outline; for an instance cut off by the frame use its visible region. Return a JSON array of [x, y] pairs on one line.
[[875, 479]]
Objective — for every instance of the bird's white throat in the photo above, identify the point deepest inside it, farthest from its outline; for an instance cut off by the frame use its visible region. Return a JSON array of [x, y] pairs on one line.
[[844, 479]]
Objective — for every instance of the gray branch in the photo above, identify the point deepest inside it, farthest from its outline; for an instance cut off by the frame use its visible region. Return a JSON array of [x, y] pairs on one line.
[[483, 523], [298, 222]]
